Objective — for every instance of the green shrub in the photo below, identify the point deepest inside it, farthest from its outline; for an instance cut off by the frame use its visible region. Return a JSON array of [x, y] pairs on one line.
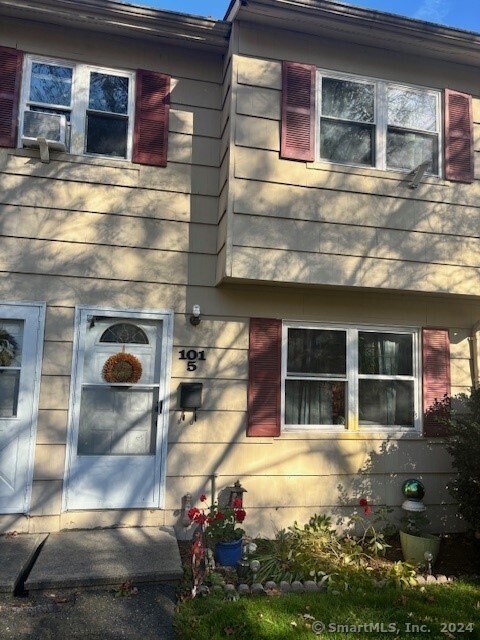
[[316, 552], [463, 445]]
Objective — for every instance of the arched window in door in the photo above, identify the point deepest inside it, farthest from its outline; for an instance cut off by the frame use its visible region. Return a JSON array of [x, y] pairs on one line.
[[124, 333]]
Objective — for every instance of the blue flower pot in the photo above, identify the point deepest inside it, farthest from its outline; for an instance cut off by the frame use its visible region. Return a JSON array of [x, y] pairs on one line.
[[228, 553]]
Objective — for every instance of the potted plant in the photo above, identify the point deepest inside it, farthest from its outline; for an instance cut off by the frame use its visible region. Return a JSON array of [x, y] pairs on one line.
[[418, 546], [220, 526]]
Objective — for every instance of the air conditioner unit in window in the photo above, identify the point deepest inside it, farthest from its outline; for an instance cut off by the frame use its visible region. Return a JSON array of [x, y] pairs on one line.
[[49, 127]]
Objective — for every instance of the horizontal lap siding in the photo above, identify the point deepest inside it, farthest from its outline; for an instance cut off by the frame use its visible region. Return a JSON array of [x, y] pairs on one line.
[[292, 480], [106, 262], [326, 224], [121, 230], [100, 231], [156, 205]]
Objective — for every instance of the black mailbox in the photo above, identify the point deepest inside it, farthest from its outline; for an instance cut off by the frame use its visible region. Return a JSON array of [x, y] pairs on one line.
[[190, 397]]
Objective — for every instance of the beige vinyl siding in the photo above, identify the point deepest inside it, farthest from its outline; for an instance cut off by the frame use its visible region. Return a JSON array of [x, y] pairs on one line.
[[226, 178], [109, 233], [291, 477], [328, 224], [329, 472], [105, 232]]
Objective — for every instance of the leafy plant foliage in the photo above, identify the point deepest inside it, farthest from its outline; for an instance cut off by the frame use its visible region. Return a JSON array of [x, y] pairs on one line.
[[462, 416], [316, 552]]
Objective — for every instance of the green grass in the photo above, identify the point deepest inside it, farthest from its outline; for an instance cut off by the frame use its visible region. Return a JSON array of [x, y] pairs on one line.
[[438, 611]]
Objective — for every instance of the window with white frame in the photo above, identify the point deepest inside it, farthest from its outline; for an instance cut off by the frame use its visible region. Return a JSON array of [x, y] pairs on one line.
[[350, 377], [376, 123], [97, 103]]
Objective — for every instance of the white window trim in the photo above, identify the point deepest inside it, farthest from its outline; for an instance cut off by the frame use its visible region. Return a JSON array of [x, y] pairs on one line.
[[79, 102], [352, 378], [380, 121]]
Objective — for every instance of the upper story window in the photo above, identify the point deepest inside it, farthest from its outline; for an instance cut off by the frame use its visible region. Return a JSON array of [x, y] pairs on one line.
[[83, 109], [378, 124], [366, 122], [97, 103], [351, 377]]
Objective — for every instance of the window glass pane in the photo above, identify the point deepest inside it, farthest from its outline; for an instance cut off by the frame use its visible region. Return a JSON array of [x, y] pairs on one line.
[[115, 421], [407, 150], [58, 112], [313, 351], [386, 402], [9, 385], [385, 353], [341, 142], [348, 100], [412, 109], [11, 343], [314, 402], [106, 135], [51, 84], [124, 333], [108, 93]]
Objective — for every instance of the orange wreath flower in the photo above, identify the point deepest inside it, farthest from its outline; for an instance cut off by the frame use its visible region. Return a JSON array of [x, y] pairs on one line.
[[122, 367]]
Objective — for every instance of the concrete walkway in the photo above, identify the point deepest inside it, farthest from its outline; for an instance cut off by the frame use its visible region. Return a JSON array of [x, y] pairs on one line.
[[89, 558], [70, 582]]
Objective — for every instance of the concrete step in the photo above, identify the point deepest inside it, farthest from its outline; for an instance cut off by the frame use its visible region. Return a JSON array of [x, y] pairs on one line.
[[17, 552], [95, 557]]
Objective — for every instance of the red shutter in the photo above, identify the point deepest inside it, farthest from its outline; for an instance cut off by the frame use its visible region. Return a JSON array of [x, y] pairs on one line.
[[436, 377], [10, 78], [459, 158], [264, 377], [298, 111], [150, 140]]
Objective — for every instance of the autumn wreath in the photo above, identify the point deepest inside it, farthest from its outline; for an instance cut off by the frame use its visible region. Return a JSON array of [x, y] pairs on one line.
[[122, 367], [8, 348]]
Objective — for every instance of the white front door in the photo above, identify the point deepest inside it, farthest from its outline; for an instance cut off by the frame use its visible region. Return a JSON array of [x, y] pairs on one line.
[[118, 417], [21, 333]]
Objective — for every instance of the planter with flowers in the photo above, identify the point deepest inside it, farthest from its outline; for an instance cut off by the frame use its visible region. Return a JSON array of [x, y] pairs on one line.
[[220, 526]]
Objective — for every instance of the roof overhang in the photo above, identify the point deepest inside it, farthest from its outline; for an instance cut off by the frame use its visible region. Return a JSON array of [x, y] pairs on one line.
[[336, 20], [112, 17]]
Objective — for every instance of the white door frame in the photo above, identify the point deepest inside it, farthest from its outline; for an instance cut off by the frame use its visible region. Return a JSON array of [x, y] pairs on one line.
[[82, 315], [23, 311]]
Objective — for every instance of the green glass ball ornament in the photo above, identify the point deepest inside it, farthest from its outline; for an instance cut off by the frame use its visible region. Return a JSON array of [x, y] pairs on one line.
[[413, 489]]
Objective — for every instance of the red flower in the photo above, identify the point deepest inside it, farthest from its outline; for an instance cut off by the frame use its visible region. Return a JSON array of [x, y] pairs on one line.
[[240, 515], [203, 498], [363, 502], [219, 516], [209, 519], [237, 503], [367, 510], [200, 518], [191, 513]]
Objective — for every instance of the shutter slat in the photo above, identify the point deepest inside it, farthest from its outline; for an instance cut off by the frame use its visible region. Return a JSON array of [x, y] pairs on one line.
[[264, 377], [150, 140], [10, 80], [298, 111], [436, 377], [459, 150]]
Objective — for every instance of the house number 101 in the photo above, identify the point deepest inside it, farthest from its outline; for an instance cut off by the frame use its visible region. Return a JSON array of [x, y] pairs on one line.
[[192, 356]]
